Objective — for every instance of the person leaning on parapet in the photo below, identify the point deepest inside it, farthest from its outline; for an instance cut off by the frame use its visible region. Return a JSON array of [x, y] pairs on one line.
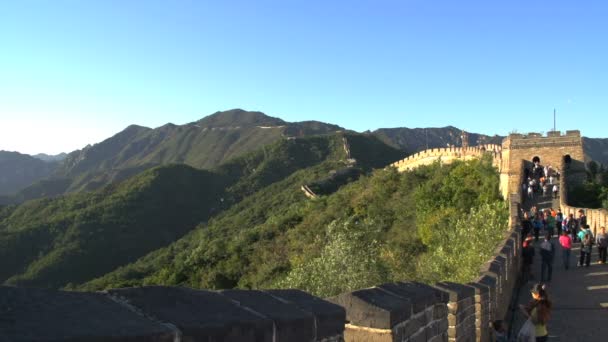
[[539, 311], [602, 244], [500, 331]]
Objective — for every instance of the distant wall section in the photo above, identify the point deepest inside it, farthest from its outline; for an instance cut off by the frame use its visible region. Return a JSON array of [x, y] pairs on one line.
[[448, 155]]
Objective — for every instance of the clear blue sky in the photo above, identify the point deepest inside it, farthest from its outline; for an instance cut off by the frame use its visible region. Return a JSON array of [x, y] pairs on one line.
[[76, 72]]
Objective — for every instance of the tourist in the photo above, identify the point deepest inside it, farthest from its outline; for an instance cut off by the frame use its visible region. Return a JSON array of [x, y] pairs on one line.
[[555, 190], [582, 218], [528, 256], [545, 190], [559, 217], [538, 225], [538, 311], [500, 331], [602, 244], [547, 252], [530, 192], [569, 225], [526, 227], [566, 242], [587, 240], [549, 222]]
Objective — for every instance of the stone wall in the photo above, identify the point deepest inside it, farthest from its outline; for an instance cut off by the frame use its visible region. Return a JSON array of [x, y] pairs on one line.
[[170, 314], [447, 155]]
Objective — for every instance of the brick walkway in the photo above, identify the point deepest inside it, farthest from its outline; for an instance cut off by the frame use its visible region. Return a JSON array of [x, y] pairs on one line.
[[579, 296]]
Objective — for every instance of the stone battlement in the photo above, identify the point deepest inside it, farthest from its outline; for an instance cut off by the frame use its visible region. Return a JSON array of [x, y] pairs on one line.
[[537, 140], [447, 154]]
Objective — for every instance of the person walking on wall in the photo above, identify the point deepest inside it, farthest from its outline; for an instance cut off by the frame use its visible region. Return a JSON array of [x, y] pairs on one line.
[[582, 220], [555, 190], [539, 311], [586, 243], [526, 227], [547, 252], [538, 225], [550, 222], [559, 217], [569, 225], [528, 257], [566, 242], [602, 244]]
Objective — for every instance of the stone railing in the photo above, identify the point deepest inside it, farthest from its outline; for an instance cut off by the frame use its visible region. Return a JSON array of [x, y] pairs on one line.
[[171, 314], [596, 218]]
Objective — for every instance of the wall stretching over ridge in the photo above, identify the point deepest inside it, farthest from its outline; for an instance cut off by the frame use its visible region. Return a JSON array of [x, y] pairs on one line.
[[447, 155]]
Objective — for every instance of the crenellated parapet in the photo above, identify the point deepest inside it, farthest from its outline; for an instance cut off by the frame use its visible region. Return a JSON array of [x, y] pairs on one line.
[[449, 154]]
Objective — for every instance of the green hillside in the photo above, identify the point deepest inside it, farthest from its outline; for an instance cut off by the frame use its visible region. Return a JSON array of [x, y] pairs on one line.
[[51, 242], [74, 238], [385, 226]]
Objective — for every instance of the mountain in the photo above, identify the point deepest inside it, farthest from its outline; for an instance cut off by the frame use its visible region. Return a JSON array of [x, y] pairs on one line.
[[76, 237], [50, 158], [20, 170], [203, 144], [596, 149], [412, 140]]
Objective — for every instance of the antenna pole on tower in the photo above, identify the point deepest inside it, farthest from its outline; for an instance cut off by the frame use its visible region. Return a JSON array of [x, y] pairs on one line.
[[554, 127]]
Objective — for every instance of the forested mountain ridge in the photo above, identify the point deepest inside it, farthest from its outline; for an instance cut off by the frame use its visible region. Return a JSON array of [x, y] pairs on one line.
[[204, 144], [20, 170], [77, 237], [412, 140], [386, 226]]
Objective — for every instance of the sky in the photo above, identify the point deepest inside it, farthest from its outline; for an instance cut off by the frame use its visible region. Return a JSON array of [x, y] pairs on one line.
[[74, 73]]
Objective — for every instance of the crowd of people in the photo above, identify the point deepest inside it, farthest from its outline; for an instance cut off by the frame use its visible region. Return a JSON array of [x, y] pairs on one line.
[[539, 229], [570, 230], [540, 181]]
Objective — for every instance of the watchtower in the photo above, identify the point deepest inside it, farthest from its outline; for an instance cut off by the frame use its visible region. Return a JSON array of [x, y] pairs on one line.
[[555, 149]]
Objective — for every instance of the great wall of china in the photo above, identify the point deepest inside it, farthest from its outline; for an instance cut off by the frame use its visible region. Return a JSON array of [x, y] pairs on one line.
[[403, 311]]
